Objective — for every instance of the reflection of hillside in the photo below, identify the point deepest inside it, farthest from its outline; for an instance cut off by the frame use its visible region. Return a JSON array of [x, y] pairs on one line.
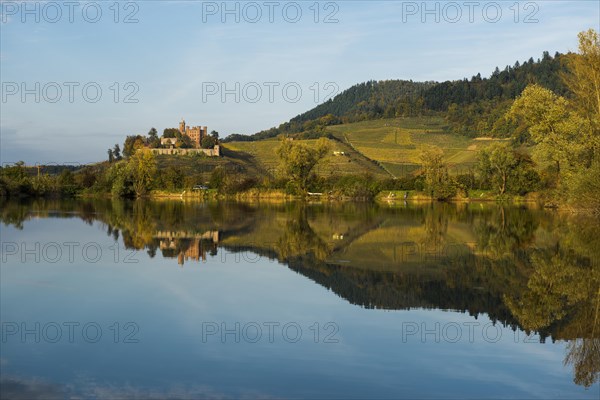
[[523, 268], [293, 230], [397, 290]]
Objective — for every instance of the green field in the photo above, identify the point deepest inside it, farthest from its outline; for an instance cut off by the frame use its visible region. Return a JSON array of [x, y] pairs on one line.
[[382, 148], [264, 154], [397, 143]]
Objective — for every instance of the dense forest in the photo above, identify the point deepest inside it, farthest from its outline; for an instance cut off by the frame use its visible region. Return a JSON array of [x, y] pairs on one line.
[[471, 106]]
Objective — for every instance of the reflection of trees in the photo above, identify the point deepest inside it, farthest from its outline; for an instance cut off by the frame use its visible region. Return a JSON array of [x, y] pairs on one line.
[[584, 356], [504, 231], [299, 239], [535, 271], [142, 226], [558, 286], [436, 227], [562, 296], [12, 213]]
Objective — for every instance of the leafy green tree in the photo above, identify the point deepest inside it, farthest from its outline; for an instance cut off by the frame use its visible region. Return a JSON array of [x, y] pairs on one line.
[[121, 182], [142, 167], [566, 132], [111, 157], [170, 132], [117, 152], [183, 141], [298, 160], [172, 178], [153, 139], [583, 80], [214, 134], [66, 182], [208, 142], [66, 178], [132, 144], [585, 188], [218, 177], [556, 131], [15, 180], [438, 183], [496, 163]]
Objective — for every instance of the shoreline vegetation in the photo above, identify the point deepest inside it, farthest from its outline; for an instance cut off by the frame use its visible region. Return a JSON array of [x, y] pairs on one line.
[[383, 196], [528, 134]]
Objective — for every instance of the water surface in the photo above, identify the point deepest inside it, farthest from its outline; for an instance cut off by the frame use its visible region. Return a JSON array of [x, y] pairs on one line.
[[116, 299]]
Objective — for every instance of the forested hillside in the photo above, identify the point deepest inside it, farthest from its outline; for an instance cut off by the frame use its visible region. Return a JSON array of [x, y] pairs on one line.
[[470, 106]]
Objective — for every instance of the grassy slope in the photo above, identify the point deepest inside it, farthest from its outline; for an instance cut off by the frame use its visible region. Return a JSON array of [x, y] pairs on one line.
[[380, 147], [264, 154], [397, 143], [203, 166]]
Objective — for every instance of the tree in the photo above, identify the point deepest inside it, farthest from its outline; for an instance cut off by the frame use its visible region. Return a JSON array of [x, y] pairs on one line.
[[172, 178], [142, 167], [583, 80], [438, 182], [66, 182], [567, 132], [208, 142], [170, 132], [153, 140], [66, 178], [297, 161], [585, 187], [496, 163], [120, 178], [87, 177], [110, 156], [117, 152], [132, 144], [559, 134], [183, 141], [218, 177], [214, 134]]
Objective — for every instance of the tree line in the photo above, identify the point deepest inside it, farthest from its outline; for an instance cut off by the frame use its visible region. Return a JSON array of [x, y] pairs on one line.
[[471, 106]]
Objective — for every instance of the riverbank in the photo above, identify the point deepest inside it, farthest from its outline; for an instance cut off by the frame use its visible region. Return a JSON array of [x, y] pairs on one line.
[[385, 196], [474, 196]]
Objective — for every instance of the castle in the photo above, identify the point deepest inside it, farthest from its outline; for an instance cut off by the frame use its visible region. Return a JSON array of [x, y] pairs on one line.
[[196, 133]]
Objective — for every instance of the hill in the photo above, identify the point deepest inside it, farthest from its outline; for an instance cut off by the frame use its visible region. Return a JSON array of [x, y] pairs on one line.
[[382, 148], [396, 143], [468, 105], [341, 160]]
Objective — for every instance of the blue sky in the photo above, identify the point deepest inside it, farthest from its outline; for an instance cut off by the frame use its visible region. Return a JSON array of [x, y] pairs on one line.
[[180, 55]]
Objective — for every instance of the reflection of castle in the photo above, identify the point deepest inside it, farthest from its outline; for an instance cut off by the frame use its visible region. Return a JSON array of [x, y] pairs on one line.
[[186, 245]]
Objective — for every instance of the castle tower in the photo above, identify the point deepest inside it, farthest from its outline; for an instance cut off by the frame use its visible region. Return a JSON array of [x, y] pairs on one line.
[[182, 126]]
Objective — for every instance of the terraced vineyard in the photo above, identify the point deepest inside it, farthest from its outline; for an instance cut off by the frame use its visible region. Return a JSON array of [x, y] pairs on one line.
[[383, 148], [397, 143], [341, 160]]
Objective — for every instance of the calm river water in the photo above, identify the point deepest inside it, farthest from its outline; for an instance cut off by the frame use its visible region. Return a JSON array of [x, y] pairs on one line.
[[116, 299]]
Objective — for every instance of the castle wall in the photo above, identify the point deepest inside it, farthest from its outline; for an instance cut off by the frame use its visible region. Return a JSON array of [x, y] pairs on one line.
[[214, 152]]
